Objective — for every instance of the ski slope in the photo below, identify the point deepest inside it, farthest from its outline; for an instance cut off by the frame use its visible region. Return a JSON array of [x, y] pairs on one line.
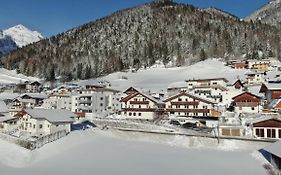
[[158, 77], [11, 77]]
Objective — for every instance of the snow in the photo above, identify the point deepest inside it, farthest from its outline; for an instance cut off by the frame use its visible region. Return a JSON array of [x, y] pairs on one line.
[[113, 152], [22, 36], [274, 148], [159, 77], [52, 115], [11, 77]]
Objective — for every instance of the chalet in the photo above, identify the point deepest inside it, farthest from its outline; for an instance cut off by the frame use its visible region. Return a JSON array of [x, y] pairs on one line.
[[40, 122], [33, 87], [259, 65], [188, 105], [239, 65], [37, 97], [272, 91], [247, 102], [137, 105], [267, 127], [207, 82]]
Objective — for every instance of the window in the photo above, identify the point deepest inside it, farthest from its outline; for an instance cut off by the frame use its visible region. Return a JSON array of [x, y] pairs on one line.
[[177, 106], [186, 106], [139, 106], [34, 126], [139, 114], [179, 99], [101, 104], [259, 132], [195, 106], [101, 98], [279, 133], [172, 112], [134, 114], [271, 133], [40, 126]]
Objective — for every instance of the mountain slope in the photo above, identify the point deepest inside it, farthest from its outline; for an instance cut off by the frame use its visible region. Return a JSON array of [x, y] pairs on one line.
[[219, 11], [6, 44], [174, 33], [268, 14], [22, 36]]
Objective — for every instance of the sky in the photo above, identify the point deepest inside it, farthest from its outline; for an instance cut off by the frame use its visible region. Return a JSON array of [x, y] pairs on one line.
[[51, 17]]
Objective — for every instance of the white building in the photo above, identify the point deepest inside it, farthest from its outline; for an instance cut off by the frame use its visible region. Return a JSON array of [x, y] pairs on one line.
[[40, 122], [139, 106]]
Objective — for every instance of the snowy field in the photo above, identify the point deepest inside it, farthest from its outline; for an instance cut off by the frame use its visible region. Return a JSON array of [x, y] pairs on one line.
[[121, 153], [158, 77], [11, 76]]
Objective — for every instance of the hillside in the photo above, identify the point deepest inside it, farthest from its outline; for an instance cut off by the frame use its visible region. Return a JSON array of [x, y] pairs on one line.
[[268, 14], [176, 34], [6, 44]]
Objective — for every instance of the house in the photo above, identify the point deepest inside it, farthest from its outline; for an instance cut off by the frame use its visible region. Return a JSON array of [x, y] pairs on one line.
[[37, 97], [254, 78], [271, 91], [259, 65], [268, 127], [58, 101], [33, 87], [38, 122], [7, 121], [102, 101], [188, 105], [247, 102], [239, 65], [212, 89], [273, 154], [140, 106]]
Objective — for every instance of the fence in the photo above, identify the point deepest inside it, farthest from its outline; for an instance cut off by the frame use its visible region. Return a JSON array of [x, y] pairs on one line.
[[47, 139], [34, 143]]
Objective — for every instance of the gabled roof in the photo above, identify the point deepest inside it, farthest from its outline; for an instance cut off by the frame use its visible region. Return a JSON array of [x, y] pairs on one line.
[[238, 81], [189, 95], [270, 86], [137, 92], [248, 94], [274, 103], [35, 95], [52, 115]]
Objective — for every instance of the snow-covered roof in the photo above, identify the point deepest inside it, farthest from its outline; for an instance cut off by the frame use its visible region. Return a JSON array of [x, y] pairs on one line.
[[8, 96], [3, 107], [178, 84], [36, 95], [273, 86], [274, 148], [52, 115], [263, 117], [255, 90], [274, 103]]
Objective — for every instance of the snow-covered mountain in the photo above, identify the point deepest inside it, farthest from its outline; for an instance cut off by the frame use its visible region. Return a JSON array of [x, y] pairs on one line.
[[22, 36], [268, 14], [6, 44], [17, 37]]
